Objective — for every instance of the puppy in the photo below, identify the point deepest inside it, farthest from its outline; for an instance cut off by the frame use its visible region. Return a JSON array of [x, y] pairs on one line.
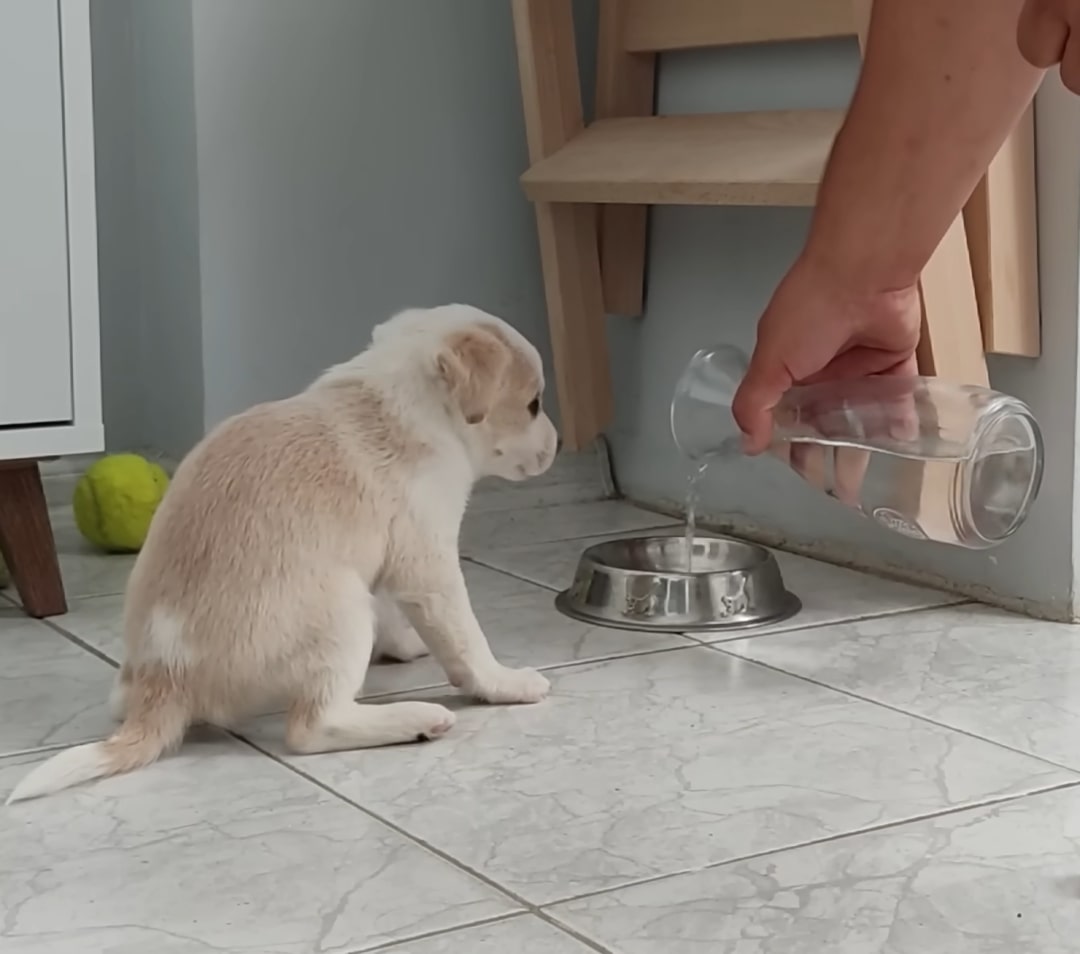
[[295, 528]]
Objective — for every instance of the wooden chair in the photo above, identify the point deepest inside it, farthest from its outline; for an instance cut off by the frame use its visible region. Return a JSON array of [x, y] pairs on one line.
[[591, 186]]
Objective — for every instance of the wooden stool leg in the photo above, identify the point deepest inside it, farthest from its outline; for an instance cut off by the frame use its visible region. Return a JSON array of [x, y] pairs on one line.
[[26, 540]]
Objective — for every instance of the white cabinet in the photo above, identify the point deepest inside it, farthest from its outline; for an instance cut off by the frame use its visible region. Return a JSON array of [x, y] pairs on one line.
[[50, 400]]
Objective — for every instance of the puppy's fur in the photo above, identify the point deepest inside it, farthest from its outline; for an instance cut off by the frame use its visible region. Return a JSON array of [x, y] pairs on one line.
[[297, 529]]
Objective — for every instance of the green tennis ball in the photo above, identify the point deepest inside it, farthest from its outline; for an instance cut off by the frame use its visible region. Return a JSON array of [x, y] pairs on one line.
[[116, 499]]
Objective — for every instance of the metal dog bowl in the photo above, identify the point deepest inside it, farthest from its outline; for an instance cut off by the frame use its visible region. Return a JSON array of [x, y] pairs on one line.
[[643, 583]]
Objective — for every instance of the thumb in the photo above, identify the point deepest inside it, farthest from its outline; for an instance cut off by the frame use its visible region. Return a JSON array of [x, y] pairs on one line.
[[1041, 34], [760, 391]]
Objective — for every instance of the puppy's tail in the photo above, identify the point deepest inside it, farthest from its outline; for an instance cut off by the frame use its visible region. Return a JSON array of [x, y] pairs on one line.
[[147, 733]]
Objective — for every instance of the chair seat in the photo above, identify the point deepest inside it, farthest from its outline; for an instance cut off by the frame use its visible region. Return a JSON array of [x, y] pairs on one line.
[[752, 158]]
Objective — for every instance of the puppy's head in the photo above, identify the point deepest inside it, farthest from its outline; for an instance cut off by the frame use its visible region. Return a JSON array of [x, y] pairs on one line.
[[494, 383]]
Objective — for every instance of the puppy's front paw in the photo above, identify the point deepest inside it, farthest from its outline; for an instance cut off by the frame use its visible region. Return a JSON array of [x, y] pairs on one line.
[[505, 686]]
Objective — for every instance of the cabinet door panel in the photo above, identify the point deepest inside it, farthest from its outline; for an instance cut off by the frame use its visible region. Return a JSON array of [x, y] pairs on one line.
[[35, 334]]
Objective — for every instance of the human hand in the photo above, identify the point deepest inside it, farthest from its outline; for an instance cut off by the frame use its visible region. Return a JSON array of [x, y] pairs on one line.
[[1049, 33], [822, 325]]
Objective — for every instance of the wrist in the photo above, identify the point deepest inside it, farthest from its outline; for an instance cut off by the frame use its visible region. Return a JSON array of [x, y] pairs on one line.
[[866, 261], [882, 298], [857, 276]]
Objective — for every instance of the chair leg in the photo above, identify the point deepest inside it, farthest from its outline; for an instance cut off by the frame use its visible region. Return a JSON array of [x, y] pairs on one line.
[[951, 346], [551, 97], [571, 266], [1001, 219], [625, 86], [26, 540]]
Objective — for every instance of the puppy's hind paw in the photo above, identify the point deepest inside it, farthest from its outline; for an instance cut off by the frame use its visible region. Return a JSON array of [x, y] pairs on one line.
[[431, 720], [398, 645], [505, 686]]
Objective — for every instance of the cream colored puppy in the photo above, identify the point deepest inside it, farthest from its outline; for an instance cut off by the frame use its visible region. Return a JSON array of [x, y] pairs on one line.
[[293, 527]]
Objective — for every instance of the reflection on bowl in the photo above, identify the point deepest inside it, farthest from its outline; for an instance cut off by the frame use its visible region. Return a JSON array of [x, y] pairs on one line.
[[648, 583]]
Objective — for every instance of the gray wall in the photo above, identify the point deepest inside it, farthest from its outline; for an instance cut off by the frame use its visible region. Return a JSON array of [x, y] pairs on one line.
[[277, 176], [148, 232], [353, 158], [712, 271], [114, 112]]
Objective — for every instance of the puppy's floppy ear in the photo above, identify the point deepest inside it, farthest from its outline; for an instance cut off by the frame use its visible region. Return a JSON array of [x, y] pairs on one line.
[[472, 362]]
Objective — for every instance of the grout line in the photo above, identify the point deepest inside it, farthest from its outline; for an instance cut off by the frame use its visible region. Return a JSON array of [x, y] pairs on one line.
[[552, 667], [541, 911], [441, 932], [750, 633], [438, 852], [378, 696], [45, 749], [606, 534], [475, 561], [409, 690], [81, 643], [691, 643], [826, 839], [527, 907], [573, 932], [899, 711], [96, 597], [502, 571]]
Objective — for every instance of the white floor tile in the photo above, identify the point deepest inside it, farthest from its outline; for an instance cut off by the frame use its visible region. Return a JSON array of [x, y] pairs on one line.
[[219, 849], [1001, 879], [638, 766], [656, 764], [51, 691], [1004, 677]]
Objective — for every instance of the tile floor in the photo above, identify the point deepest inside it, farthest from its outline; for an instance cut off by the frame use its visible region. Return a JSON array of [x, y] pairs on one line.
[[888, 772]]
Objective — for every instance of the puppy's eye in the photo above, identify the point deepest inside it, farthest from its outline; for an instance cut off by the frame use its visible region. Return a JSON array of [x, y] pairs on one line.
[[534, 406]]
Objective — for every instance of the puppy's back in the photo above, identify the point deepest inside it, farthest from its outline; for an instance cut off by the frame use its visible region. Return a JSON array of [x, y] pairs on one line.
[[264, 504]]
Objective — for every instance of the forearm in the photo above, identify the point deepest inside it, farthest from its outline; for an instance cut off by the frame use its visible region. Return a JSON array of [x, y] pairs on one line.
[[943, 83]]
